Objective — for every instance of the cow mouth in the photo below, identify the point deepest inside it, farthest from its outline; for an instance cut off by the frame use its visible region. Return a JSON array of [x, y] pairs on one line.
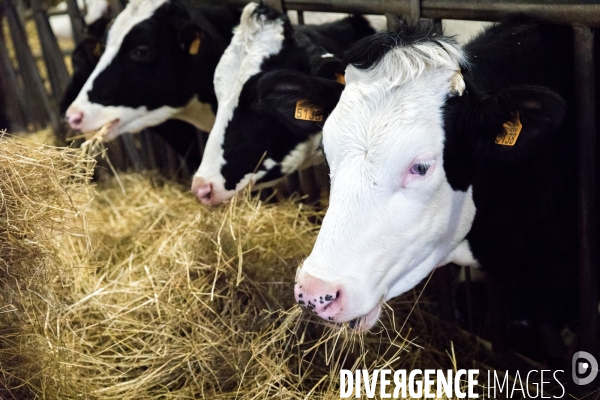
[[364, 323]]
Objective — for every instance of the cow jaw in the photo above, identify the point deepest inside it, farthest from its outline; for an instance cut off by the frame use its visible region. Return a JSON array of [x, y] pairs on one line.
[[380, 238]]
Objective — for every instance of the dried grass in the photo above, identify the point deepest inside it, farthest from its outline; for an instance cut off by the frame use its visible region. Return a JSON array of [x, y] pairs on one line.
[[164, 299]]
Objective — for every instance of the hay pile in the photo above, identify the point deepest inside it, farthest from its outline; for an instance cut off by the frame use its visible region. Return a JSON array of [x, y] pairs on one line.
[[160, 298], [41, 193]]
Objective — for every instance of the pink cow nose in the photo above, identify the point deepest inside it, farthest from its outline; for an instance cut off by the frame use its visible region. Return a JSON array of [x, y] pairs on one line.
[[322, 298], [75, 119], [203, 190]]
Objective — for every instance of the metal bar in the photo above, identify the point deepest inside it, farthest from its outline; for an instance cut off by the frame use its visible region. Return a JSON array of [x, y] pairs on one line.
[[77, 22], [55, 63], [477, 10], [16, 106], [585, 87], [132, 151], [42, 110], [300, 17], [414, 16], [276, 4]]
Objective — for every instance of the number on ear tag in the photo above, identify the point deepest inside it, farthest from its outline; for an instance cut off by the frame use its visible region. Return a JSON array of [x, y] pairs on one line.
[[308, 112], [512, 130], [195, 45]]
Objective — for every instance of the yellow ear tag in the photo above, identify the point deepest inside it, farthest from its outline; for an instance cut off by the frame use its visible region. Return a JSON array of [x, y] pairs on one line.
[[340, 78], [308, 112], [97, 50], [512, 130], [195, 45]]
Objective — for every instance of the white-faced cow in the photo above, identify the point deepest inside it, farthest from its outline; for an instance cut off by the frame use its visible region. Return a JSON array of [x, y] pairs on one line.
[[262, 131], [158, 63], [440, 154]]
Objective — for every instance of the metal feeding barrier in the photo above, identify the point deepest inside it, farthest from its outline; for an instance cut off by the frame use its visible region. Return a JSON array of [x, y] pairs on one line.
[[30, 106]]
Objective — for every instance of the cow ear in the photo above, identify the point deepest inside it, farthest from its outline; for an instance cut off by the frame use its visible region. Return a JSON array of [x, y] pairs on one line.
[[191, 38], [300, 101], [516, 121], [326, 65]]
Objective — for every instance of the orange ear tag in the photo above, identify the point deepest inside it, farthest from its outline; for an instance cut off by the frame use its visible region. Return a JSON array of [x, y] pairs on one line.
[[195, 45], [340, 78], [512, 130], [308, 112]]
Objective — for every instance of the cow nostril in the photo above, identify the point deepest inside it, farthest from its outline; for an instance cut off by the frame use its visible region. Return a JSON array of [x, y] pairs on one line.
[[204, 193], [75, 119]]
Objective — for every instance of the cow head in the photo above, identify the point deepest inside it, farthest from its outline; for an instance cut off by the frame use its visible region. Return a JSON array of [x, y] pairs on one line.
[[259, 135], [148, 72], [402, 145]]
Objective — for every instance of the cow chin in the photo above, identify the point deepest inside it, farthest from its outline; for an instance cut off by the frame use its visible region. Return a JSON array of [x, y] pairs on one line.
[[366, 322]]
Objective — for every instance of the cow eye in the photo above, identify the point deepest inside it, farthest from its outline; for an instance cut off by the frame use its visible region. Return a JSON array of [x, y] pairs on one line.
[[419, 168], [142, 53]]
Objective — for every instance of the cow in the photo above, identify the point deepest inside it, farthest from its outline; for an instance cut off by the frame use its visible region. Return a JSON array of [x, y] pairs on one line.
[[181, 136], [275, 84], [158, 64], [442, 154]]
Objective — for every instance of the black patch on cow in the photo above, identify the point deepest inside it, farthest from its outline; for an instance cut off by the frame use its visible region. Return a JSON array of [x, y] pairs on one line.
[[84, 59], [263, 124], [153, 67], [524, 230]]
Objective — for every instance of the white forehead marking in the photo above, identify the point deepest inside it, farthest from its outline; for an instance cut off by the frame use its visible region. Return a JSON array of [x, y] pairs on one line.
[[254, 40], [135, 12], [406, 63], [382, 106], [327, 55]]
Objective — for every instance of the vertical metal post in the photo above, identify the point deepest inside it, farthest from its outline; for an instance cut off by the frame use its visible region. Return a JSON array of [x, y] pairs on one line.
[[415, 12], [276, 4], [132, 152], [40, 106], [9, 84], [300, 17], [53, 57], [585, 90], [77, 22]]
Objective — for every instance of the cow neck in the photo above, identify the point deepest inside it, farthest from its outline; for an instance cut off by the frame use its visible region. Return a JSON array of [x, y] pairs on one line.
[[197, 113]]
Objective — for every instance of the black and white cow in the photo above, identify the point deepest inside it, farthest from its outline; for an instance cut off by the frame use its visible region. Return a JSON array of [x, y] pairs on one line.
[[267, 69], [158, 64], [181, 136], [440, 154]]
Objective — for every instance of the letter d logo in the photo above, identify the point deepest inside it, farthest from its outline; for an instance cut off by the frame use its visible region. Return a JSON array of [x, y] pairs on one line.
[[583, 363]]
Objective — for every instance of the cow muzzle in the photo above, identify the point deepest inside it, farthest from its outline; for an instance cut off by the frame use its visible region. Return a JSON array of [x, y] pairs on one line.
[[208, 192]]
